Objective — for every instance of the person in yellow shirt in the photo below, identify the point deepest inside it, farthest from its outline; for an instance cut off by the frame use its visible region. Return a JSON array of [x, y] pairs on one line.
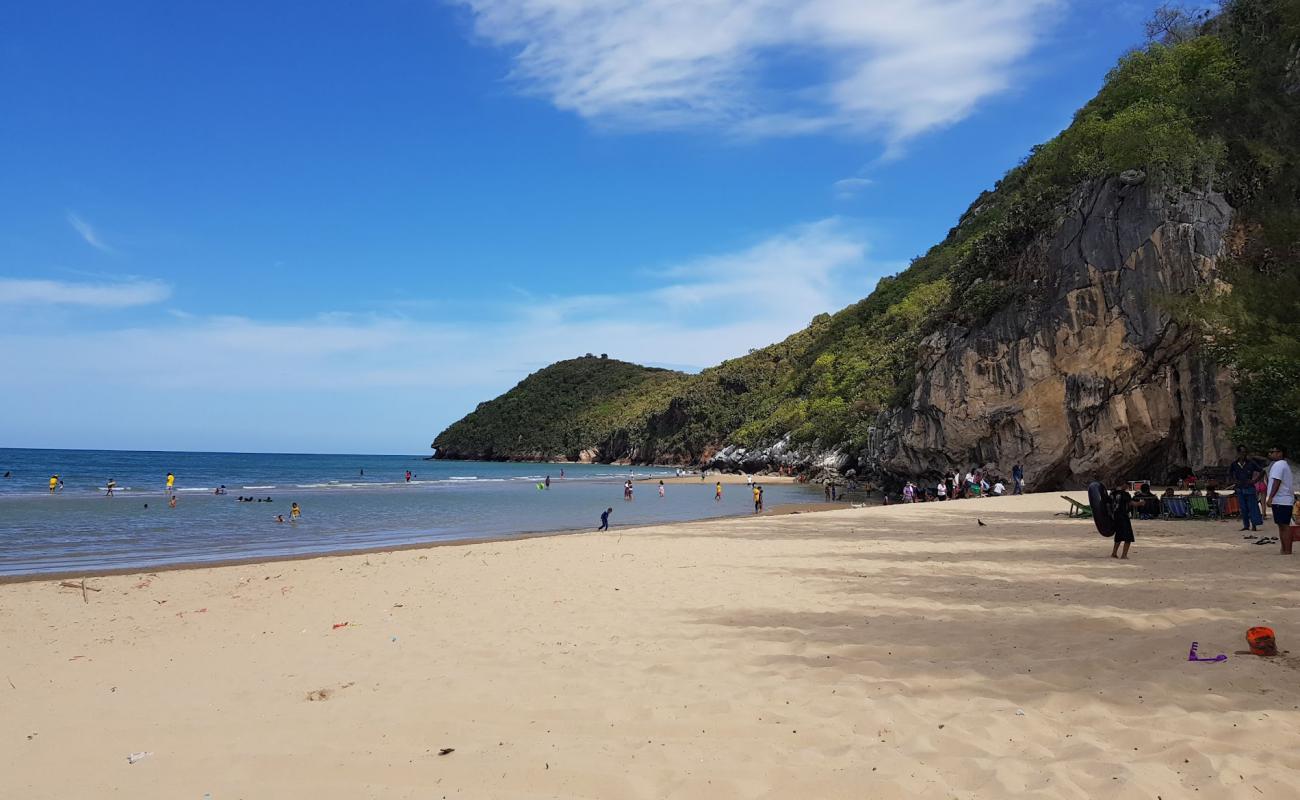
[[758, 502], [717, 492], [294, 513], [171, 481], [54, 483]]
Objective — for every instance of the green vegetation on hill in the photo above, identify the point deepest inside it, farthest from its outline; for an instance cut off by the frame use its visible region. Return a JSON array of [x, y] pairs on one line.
[[559, 411], [1215, 105]]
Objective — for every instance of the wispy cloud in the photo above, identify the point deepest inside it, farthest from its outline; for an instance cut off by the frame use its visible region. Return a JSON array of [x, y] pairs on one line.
[[21, 292], [847, 188], [892, 68], [698, 311], [88, 233]]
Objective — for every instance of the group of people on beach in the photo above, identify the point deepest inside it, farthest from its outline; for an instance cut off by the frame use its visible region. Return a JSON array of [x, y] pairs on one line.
[[1259, 487], [975, 483], [1259, 492]]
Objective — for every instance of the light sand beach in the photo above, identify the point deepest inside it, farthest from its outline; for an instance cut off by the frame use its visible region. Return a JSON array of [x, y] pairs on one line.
[[887, 652]]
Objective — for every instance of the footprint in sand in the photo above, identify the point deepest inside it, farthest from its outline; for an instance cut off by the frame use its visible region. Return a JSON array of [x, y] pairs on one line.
[[321, 695]]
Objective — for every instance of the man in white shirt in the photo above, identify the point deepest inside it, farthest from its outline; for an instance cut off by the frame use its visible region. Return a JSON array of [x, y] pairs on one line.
[[1281, 495], [999, 489]]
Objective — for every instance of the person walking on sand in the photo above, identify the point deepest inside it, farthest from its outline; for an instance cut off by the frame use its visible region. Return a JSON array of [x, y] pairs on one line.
[[1245, 474], [1018, 478], [1281, 496], [294, 512], [112, 484], [717, 492], [661, 488], [604, 520], [1120, 500]]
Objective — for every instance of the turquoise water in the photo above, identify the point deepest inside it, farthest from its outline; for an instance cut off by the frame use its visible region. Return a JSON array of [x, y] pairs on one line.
[[348, 502]]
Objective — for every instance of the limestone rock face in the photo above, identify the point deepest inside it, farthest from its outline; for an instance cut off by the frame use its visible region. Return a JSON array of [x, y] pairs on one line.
[[1088, 376]]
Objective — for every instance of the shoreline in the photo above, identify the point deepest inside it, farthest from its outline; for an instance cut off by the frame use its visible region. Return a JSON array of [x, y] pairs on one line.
[[181, 566]]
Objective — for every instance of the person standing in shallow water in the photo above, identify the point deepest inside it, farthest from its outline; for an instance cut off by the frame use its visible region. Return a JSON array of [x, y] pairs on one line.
[[717, 492], [1120, 500], [661, 488]]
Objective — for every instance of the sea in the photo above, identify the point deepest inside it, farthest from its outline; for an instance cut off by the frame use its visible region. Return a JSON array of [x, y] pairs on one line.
[[348, 502]]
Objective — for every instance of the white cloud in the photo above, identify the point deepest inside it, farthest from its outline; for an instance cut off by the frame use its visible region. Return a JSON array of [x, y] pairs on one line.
[[892, 68], [699, 312], [846, 188], [88, 233], [20, 292]]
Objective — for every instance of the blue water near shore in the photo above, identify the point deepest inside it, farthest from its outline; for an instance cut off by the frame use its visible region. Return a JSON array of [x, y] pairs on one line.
[[79, 529]]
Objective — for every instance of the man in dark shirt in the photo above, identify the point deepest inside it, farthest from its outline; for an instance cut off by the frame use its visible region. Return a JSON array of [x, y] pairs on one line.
[[604, 520], [1018, 476], [1148, 504], [1245, 474]]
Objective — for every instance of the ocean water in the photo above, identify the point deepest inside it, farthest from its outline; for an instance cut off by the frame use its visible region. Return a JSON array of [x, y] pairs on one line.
[[348, 502]]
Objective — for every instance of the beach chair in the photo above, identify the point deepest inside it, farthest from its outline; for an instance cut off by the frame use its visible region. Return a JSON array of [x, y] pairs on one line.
[[1076, 508], [1176, 508], [1200, 506]]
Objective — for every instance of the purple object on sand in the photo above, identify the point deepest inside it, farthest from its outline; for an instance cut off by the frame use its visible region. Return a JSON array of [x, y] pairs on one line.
[[1191, 655]]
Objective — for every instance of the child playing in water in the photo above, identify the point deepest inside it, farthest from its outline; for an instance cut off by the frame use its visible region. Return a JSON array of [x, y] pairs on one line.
[[1119, 512]]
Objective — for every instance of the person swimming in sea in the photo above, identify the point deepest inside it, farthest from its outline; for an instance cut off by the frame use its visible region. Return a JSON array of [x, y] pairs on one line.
[[279, 518], [171, 503]]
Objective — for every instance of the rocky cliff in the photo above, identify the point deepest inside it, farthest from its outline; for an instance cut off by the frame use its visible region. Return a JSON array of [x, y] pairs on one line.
[[1089, 375], [1120, 304]]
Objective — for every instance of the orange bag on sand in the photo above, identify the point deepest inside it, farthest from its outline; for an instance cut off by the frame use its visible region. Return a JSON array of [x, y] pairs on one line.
[[1261, 641]]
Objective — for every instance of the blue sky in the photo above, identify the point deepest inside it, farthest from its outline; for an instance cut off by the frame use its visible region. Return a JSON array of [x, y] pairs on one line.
[[336, 227]]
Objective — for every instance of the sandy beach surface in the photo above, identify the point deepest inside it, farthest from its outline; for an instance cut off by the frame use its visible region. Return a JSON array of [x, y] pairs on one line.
[[886, 652]]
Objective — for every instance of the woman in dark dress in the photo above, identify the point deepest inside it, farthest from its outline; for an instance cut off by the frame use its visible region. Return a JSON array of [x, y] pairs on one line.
[[1120, 500]]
